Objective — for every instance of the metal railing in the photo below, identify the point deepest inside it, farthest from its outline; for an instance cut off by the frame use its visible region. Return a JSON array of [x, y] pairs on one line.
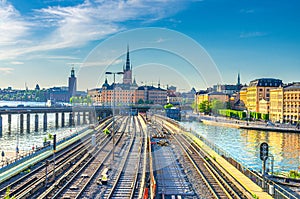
[[12, 163], [270, 187]]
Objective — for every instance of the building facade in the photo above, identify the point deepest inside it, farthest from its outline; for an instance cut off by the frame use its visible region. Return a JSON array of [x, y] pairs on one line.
[[203, 96], [276, 105], [260, 89], [151, 95], [127, 92], [285, 103]]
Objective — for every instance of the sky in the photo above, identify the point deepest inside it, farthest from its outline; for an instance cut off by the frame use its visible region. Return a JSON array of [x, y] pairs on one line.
[[40, 40]]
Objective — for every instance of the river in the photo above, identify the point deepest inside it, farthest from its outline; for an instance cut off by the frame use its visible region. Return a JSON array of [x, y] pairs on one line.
[[243, 145], [25, 141]]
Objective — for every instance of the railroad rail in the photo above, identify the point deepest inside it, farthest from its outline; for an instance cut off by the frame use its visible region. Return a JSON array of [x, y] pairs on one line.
[[217, 185], [75, 181], [216, 179], [28, 184], [126, 181]]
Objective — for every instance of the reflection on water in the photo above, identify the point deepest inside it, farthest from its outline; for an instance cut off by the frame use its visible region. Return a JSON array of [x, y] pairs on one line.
[[243, 145], [25, 141]]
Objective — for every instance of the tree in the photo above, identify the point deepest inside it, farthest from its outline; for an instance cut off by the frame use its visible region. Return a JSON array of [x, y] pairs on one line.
[[140, 101], [204, 107], [216, 105]]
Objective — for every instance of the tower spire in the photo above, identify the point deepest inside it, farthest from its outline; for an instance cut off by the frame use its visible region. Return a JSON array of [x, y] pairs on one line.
[[239, 79], [127, 68]]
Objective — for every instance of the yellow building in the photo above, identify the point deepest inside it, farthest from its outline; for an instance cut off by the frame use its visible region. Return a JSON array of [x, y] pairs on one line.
[[243, 96], [260, 89], [95, 95], [285, 103], [203, 96], [291, 103], [200, 97], [264, 106], [276, 105]]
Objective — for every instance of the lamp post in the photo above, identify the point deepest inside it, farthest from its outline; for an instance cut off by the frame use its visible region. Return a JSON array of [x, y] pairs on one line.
[[113, 132]]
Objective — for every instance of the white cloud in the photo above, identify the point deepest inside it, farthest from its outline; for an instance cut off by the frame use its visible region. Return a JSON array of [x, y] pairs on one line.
[[16, 63], [74, 26], [252, 34], [6, 70], [12, 26]]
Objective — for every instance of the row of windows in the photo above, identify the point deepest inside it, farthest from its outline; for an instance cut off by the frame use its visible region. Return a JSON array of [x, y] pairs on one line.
[[266, 84], [262, 89]]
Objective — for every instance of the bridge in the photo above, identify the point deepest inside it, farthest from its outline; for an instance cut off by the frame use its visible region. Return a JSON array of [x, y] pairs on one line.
[[83, 114]]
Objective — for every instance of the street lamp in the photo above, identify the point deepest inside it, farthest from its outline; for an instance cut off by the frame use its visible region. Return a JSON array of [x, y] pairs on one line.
[[113, 132]]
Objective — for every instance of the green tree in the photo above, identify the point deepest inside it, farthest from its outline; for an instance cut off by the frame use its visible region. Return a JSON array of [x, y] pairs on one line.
[[204, 107], [216, 105], [140, 101]]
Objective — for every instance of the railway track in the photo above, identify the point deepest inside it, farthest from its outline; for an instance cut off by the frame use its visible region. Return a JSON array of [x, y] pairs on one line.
[[217, 186], [216, 179], [27, 185], [77, 179], [126, 180]]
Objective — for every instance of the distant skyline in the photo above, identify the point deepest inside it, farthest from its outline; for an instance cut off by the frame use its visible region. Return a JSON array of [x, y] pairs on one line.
[[39, 40]]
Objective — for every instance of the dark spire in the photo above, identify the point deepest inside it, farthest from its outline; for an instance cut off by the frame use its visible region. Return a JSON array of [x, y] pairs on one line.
[[239, 79], [127, 68]]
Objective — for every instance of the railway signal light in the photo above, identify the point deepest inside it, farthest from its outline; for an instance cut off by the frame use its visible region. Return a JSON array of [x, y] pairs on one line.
[[264, 151]]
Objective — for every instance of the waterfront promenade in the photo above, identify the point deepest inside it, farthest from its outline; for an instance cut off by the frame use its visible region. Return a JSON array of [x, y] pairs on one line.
[[252, 125]]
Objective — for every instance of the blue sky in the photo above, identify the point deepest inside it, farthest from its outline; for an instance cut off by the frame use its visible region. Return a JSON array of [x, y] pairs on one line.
[[39, 39]]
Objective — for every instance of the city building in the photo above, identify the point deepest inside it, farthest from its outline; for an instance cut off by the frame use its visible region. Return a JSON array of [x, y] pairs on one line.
[[285, 103], [264, 106], [228, 89], [119, 93], [59, 94], [204, 96], [243, 97], [276, 105], [260, 89], [151, 95], [95, 95], [72, 87], [173, 97]]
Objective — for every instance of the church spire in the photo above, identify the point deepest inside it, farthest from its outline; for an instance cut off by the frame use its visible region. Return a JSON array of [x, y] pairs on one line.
[[127, 68], [239, 79]]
